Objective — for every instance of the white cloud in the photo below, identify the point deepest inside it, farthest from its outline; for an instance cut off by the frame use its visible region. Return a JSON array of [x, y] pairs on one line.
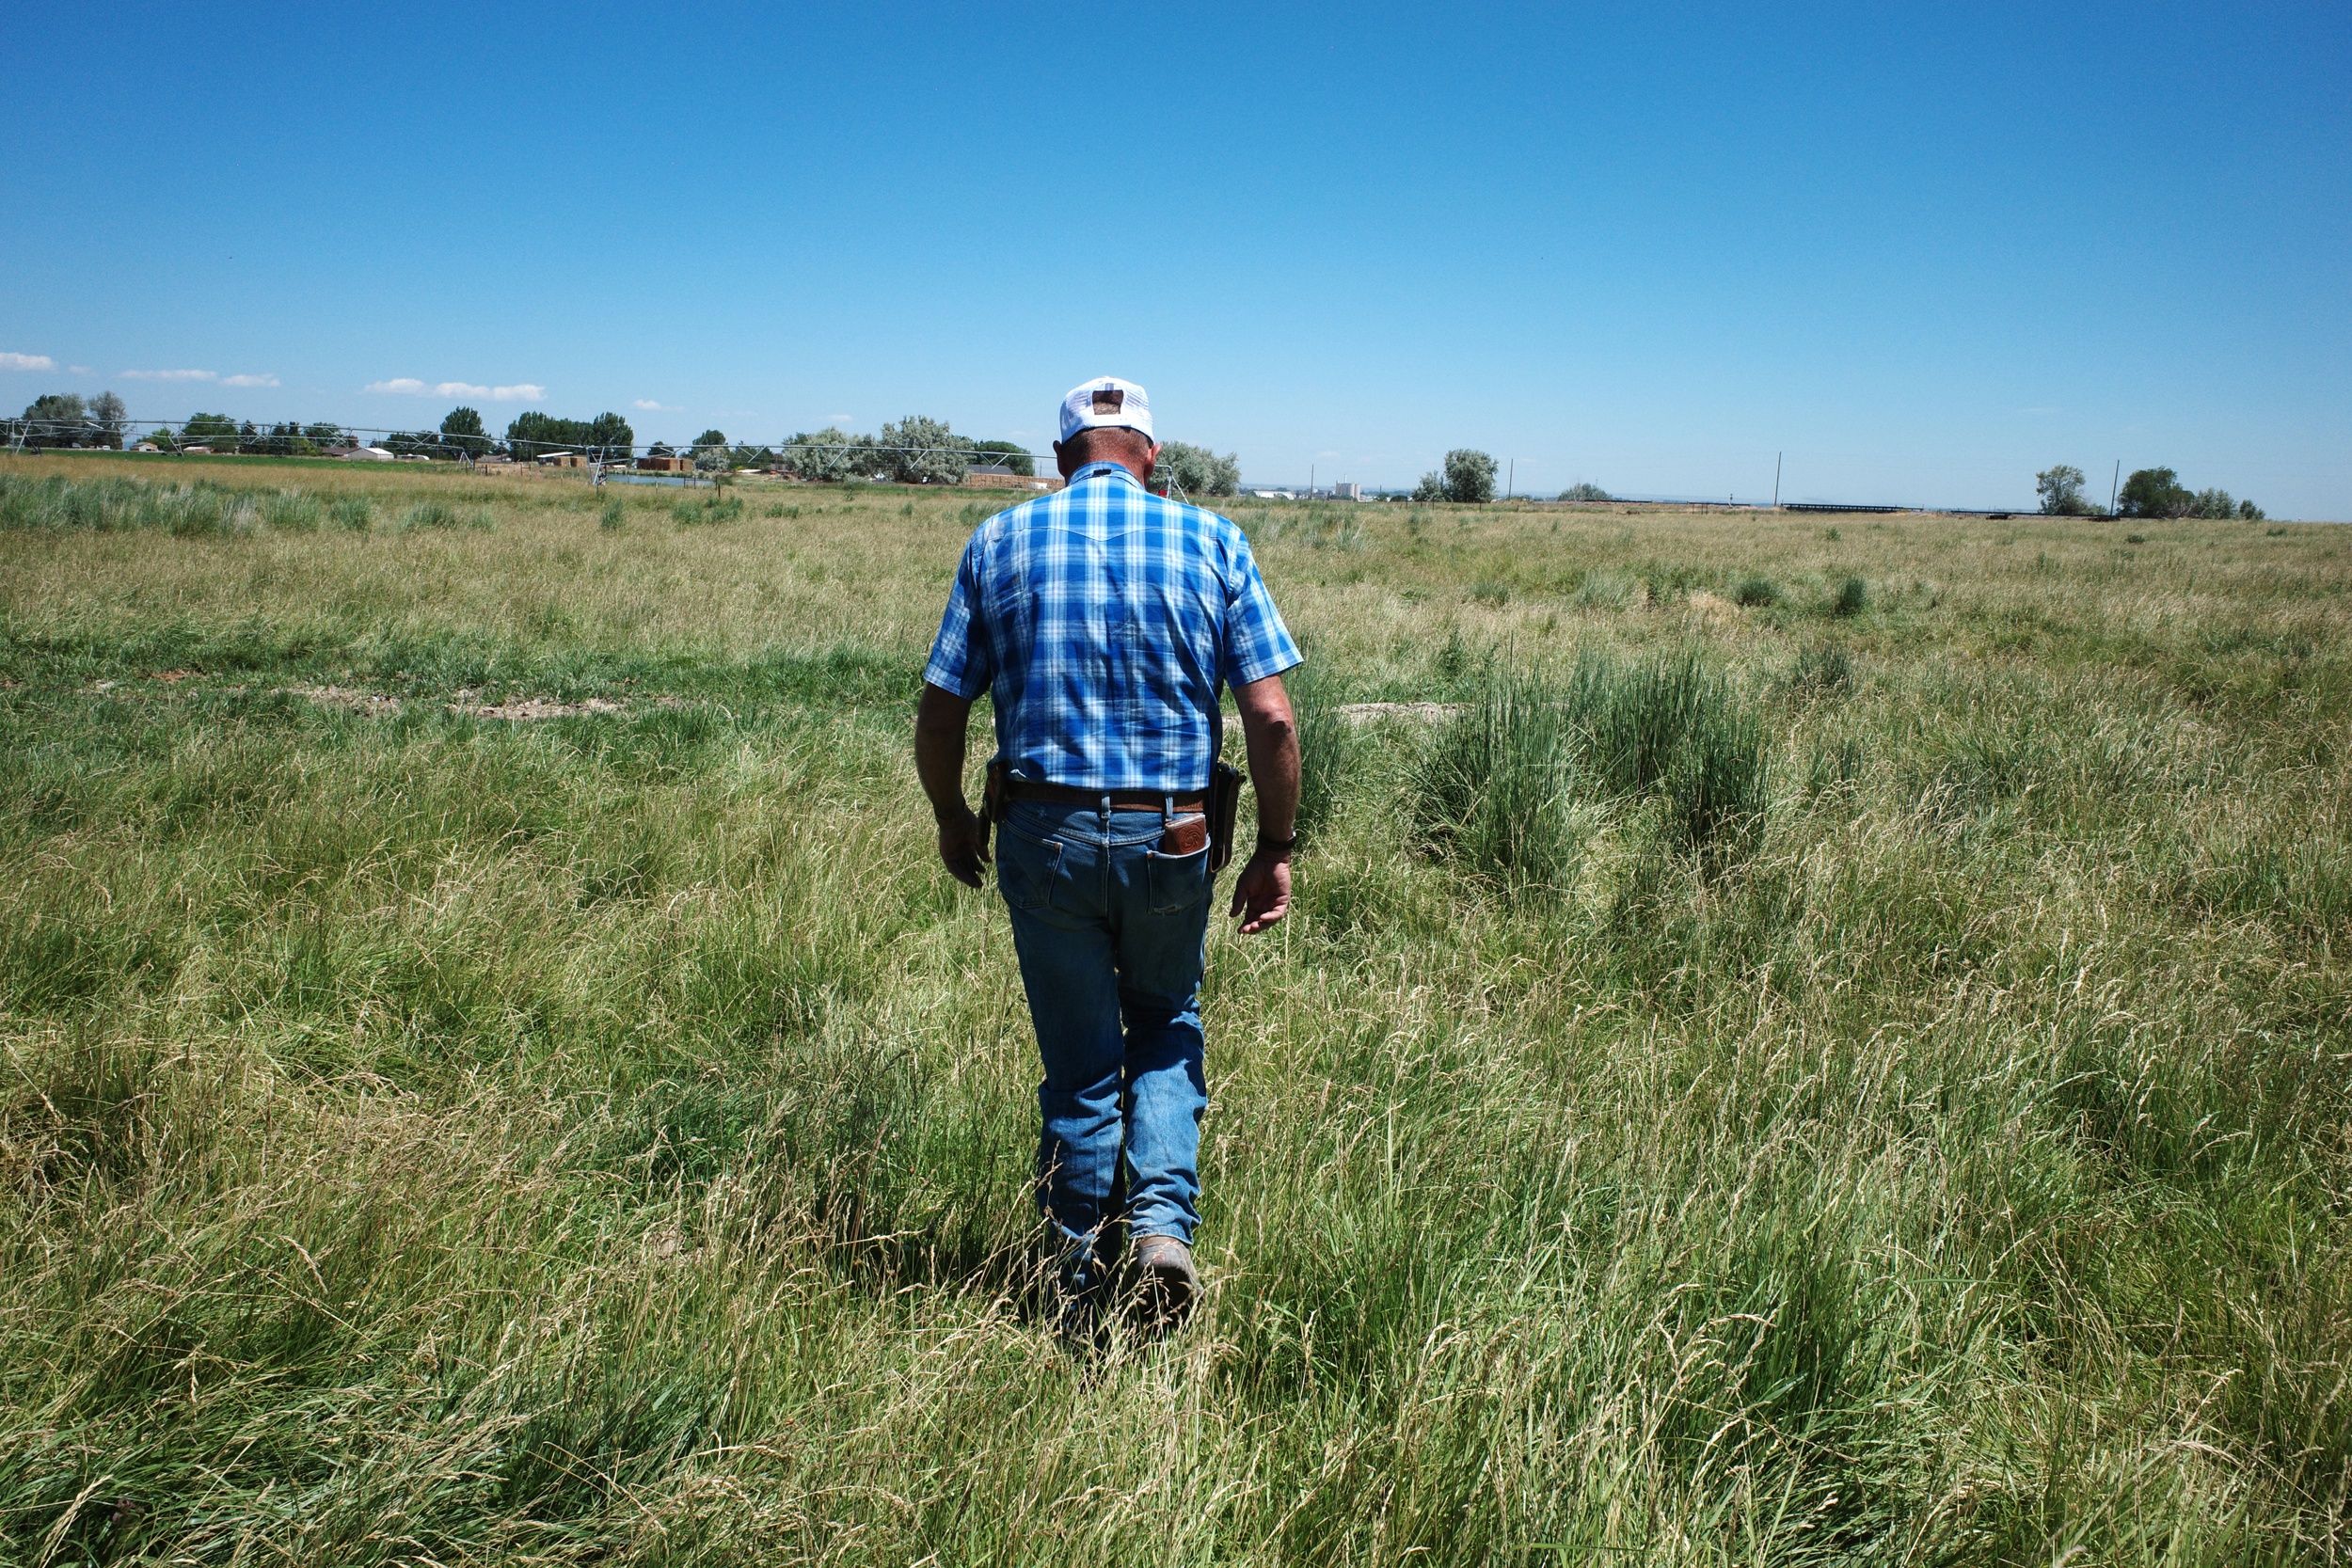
[[408, 386], [836, 418], [26, 362], [215, 376], [81, 370], [653, 407]]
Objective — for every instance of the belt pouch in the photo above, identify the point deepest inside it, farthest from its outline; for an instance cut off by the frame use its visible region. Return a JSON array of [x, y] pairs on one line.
[[1224, 801]]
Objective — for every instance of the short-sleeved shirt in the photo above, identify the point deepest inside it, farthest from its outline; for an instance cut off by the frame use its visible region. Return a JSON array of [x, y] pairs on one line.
[[1103, 621]]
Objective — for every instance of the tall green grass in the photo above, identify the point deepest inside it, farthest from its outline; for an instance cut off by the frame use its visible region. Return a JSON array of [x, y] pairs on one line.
[[1842, 1089]]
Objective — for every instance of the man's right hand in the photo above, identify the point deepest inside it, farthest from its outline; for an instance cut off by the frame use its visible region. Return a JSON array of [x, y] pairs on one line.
[[1262, 894], [963, 847]]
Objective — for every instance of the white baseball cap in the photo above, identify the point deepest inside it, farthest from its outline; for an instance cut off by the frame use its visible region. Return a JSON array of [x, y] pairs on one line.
[[1105, 400]]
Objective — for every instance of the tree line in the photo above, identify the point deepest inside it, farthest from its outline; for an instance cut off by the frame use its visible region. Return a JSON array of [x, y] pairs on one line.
[[69, 420], [2149, 492], [917, 450]]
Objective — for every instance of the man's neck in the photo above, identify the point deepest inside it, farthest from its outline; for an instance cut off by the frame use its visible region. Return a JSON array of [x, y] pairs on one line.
[[1104, 467]]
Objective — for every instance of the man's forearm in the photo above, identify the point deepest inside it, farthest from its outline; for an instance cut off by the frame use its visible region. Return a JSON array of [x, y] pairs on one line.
[[1272, 735], [940, 720], [1274, 769]]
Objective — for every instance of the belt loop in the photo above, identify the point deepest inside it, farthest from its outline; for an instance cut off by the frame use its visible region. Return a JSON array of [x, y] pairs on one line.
[[1168, 810], [1106, 813]]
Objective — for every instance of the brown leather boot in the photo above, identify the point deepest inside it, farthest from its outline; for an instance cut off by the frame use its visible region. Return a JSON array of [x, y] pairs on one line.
[[1167, 1285]]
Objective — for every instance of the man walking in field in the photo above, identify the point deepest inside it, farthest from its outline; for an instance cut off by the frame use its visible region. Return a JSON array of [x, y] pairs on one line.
[[1103, 621]]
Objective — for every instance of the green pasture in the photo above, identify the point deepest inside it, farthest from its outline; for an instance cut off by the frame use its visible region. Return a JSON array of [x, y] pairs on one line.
[[1801, 1041]]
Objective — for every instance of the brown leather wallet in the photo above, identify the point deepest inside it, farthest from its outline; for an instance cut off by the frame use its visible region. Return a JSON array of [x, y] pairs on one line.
[[1185, 835]]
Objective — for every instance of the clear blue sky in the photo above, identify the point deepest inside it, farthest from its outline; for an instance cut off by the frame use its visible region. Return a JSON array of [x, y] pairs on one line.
[[1924, 253]]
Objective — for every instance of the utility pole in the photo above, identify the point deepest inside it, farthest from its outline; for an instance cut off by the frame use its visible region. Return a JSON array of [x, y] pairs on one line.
[[1776, 457], [1311, 481], [2115, 486], [1511, 478]]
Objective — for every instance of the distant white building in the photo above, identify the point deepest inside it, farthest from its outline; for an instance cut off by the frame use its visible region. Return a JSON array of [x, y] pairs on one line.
[[1347, 492]]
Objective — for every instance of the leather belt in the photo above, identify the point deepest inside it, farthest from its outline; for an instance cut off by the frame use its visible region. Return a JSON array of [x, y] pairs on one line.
[[1133, 800]]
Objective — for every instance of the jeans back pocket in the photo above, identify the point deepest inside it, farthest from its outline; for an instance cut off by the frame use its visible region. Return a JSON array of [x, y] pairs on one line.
[[1177, 883], [1026, 869]]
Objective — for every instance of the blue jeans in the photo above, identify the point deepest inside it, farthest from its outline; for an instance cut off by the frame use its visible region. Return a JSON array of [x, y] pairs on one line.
[[1111, 935]]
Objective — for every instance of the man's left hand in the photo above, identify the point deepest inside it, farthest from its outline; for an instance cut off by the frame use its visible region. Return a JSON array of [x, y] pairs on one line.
[[1262, 894], [963, 847]]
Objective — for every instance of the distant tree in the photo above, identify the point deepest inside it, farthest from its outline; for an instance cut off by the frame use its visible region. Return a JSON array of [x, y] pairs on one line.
[[712, 453], [922, 451], [2215, 504], [827, 454], [1581, 491], [2060, 488], [111, 417], [745, 456], [607, 437], [406, 443], [323, 433], [2248, 512], [610, 439], [1431, 488], [56, 420], [662, 448], [216, 431], [2154, 493], [1470, 476], [1019, 459], [1199, 472], [463, 428], [277, 440]]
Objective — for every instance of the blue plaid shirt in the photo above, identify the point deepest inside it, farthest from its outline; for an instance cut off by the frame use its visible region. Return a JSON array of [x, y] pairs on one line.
[[1104, 621]]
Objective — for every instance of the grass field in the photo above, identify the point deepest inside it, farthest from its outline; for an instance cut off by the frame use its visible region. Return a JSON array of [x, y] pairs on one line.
[[1832, 1047]]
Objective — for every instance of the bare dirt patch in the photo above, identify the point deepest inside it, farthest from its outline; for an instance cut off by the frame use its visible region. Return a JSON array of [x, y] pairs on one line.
[[1369, 713], [537, 707], [373, 703]]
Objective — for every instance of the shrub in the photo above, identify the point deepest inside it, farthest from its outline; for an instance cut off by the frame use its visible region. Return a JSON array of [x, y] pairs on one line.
[[430, 515], [1850, 600], [1755, 592], [1608, 591], [688, 513], [1821, 669], [1499, 790], [1510, 787], [292, 512], [1583, 491], [352, 514], [614, 517], [1672, 729]]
